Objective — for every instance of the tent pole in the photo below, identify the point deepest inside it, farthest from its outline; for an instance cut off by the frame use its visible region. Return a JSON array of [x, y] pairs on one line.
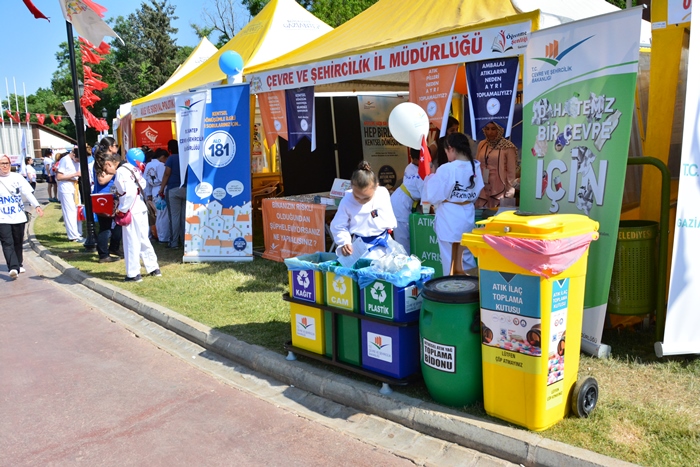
[[335, 141]]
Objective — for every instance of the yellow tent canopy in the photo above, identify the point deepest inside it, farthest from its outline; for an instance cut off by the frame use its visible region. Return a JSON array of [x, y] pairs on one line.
[[282, 26], [388, 26], [199, 55]]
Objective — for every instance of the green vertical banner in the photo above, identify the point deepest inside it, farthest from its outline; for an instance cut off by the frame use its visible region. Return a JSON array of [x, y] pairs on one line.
[[578, 93]]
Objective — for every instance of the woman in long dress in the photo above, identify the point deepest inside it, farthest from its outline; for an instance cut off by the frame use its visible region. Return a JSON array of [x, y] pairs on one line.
[[498, 158]]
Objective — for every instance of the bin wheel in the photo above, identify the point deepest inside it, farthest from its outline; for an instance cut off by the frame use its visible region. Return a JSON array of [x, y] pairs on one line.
[[585, 397]]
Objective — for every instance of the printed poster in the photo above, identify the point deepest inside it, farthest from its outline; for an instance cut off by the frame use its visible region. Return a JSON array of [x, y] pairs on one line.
[[273, 109], [431, 88], [679, 11], [300, 116], [577, 117], [387, 156], [154, 133], [218, 213], [292, 228], [682, 317], [492, 88]]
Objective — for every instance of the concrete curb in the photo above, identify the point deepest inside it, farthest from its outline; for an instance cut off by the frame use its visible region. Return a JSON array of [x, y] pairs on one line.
[[514, 445]]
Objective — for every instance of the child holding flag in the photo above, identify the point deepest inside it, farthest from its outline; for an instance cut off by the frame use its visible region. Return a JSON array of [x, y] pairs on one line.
[[452, 190]]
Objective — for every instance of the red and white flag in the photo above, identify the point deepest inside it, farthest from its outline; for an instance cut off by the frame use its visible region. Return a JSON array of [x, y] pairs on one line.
[[86, 18]]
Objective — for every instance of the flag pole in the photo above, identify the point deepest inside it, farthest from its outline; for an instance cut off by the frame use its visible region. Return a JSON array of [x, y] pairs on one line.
[[9, 107], [21, 137], [26, 119], [90, 239], [4, 139]]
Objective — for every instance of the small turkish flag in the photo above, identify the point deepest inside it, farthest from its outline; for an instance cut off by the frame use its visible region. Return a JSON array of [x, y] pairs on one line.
[[425, 159], [40, 118]]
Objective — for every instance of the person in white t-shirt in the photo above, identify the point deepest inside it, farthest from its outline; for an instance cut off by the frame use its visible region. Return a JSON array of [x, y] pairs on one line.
[[365, 211], [12, 216], [31, 172], [153, 174], [67, 175]]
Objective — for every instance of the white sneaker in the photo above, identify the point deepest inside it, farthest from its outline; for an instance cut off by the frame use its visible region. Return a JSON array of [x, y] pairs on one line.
[[13, 274], [78, 240], [21, 270]]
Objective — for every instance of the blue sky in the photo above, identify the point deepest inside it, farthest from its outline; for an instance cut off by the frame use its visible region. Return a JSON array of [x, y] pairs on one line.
[[28, 52]]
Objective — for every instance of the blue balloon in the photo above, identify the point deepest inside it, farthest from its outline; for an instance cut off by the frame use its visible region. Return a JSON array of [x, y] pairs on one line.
[[135, 155], [231, 63]]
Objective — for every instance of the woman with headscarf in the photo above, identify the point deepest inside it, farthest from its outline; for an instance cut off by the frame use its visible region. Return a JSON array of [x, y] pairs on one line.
[[498, 158], [12, 216]]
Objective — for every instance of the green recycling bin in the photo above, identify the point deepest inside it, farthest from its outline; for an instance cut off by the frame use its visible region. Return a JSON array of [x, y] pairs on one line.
[[450, 340], [633, 284]]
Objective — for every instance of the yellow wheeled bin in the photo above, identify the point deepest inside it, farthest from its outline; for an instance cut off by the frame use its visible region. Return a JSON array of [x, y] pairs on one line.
[[532, 274]]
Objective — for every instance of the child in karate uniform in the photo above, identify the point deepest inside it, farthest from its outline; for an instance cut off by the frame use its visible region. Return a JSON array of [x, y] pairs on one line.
[[128, 183], [452, 190], [405, 199], [365, 211]]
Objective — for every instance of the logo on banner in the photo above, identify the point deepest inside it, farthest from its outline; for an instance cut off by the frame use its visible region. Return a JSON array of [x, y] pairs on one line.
[[256, 85], [188, 107], [219, 149], [240, 243], [151, 134], [504, 42], [552, 55]]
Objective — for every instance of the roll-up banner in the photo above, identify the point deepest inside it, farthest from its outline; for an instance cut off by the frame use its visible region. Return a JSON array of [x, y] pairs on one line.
[[682, 318], [492, 86], [387, 156], [273, 110], [301, 121], [579, 83], [189, 122], [431, 88], [218, 223]]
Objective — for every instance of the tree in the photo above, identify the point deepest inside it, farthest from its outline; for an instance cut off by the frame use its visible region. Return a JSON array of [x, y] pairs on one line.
[[220, 19], [334, 12], [149, 54]]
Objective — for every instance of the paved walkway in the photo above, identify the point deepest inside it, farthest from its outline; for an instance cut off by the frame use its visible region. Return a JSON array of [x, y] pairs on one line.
[[78, 388]]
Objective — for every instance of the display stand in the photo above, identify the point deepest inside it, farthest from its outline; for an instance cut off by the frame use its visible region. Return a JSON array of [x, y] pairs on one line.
[[384, 379]]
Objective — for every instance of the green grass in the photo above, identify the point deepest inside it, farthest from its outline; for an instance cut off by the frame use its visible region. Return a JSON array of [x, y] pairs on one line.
[[648, 412]]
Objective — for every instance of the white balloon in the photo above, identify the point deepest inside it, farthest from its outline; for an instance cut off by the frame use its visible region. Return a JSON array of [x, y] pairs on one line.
[[408, 124]]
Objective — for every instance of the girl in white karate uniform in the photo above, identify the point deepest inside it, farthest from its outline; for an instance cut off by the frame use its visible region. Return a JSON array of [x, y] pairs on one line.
[[405, 199], [452, 190], [365, 211], [128, 184]]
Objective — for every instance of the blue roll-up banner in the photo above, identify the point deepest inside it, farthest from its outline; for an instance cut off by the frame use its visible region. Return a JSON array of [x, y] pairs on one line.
[[218, 224], [301, 116], [492, 85]]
